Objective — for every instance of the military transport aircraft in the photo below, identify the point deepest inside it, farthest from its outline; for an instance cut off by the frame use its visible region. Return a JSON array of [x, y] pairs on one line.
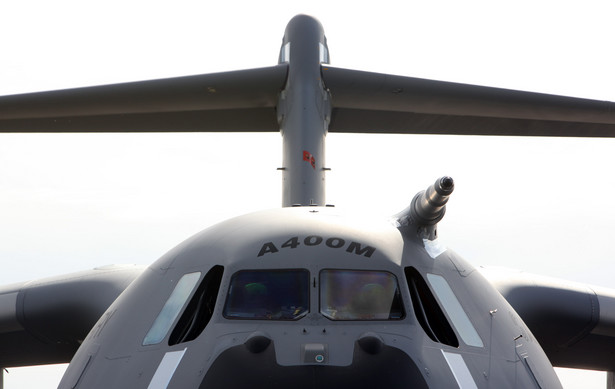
[[303, 295]]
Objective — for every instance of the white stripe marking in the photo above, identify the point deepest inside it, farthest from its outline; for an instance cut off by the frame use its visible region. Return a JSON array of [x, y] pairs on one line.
[[460, 370], [166, 369]]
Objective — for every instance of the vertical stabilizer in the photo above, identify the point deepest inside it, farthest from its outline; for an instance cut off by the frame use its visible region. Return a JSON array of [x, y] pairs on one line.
[[304, 111]]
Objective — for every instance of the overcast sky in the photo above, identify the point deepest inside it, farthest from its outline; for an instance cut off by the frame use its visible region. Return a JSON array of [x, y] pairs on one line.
[[74, 202]]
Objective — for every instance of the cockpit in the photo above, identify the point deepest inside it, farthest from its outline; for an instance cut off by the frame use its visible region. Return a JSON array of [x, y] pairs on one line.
[[285, 295], [360, 295], [268, 295]]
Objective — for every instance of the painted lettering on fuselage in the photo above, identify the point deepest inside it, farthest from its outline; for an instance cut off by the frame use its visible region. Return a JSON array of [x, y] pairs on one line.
[[315, 240]]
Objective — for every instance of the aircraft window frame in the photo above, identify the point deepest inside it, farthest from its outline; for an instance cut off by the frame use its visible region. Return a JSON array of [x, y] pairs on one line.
[[200, 309], [451, 305], [323, 53], [369, 284], [262, 286], [172, 308], [285, 53], [427, 311]]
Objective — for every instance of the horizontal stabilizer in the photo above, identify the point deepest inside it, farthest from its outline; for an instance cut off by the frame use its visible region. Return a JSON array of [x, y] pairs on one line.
[[243, 100], [246, 100], [574, 323], [382, 103], [45, 321]]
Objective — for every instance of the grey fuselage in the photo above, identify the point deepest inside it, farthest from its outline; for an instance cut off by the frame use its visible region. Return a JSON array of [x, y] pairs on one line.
[[490, 348], [304, 297]]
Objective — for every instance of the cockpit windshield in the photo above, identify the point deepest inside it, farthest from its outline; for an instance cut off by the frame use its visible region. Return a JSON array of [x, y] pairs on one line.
[[268, 295], [360, 295]]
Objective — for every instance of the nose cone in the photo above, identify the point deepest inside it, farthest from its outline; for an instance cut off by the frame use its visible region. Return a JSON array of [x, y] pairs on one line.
[[239, 367]]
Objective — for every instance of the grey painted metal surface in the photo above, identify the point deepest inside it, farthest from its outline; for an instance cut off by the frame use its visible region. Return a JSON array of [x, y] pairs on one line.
[[45, 321], [243, 100], [405, 311], [586, 340], [314, 239], [304, 111], [417, 106]]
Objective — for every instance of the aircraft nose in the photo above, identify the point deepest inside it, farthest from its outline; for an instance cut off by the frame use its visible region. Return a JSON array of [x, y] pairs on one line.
[[253, 365]]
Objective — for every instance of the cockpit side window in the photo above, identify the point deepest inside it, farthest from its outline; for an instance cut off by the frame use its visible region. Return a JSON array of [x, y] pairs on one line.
[[171, 309], [360, 295], [200, 308], [285, 53], [268, 295], [428, 311], [323, 53]]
